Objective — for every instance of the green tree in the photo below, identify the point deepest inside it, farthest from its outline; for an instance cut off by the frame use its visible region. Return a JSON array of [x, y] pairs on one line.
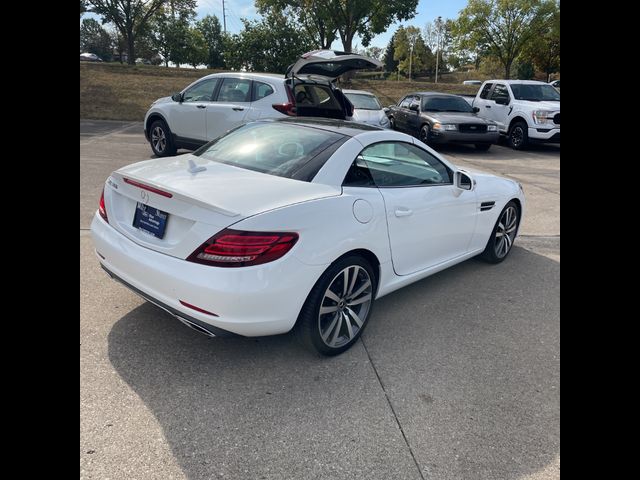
[[420, 59], [169, 30], [374, 52], [211, 30], [390, 63], [268, 45], [366, 18], [544, 50], [95, 39], [197, 50], [504, 26], [525, 70], [129, 16], [311, 15]]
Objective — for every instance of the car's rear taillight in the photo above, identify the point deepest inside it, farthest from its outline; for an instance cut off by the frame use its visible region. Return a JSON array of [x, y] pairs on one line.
[[235, 248], [288, 108], [101, 208]]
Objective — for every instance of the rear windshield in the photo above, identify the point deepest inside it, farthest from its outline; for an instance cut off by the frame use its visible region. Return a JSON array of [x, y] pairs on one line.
[[273, 148], [534, 93], [364, 102], [445, 104]]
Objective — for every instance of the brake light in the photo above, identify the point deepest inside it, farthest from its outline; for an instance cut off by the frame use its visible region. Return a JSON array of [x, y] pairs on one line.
[[288, 108], [235, 248], [198, 309], [148, 187], [101, 208]]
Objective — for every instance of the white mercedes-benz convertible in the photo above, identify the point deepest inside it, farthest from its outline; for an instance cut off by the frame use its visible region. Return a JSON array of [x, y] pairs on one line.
[[296, 223]]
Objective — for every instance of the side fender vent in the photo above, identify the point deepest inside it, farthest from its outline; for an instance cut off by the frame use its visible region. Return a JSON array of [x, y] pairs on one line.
[[484, 206]]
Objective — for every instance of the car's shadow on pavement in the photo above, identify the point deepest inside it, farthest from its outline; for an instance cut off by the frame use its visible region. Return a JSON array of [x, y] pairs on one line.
[[469, 359]]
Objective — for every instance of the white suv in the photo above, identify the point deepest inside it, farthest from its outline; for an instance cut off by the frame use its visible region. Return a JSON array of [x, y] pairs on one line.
[[219, 102]]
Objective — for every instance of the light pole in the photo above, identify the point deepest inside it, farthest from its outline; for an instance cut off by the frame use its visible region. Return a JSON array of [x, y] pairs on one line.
[[410, 61], [437, 44]]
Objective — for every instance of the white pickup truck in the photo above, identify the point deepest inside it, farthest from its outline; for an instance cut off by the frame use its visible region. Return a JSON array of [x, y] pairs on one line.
[[525, 110]]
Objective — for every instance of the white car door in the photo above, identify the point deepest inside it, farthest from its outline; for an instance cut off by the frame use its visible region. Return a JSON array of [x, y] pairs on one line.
[[229, 108], [499, 103], [188, 118], [430, 220]]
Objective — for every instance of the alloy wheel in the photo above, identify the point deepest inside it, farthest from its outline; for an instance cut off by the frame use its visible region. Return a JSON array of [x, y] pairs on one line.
[[517, 136], [158, 139], [506, 231], [345, 306]]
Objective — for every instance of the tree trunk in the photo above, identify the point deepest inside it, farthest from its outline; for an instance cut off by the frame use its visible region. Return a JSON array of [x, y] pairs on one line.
[[347, 42], [131, 48], [507, 70]]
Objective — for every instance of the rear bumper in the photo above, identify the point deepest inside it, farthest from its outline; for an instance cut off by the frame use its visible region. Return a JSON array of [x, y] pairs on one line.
[[551, 136], [251, 301], [457, 137]]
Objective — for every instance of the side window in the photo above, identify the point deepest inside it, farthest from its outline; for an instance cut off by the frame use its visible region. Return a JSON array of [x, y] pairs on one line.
[[201, 92], [261, 90], [396, 164], [235, 90], [500, 91], [485, 90], [405, 102]]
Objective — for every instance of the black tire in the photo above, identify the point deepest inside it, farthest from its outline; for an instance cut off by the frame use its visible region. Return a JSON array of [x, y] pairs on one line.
[[161, 139], [392, 123], [423, 134], [483, 147], [518, 136], [493, 252], [338, 335]]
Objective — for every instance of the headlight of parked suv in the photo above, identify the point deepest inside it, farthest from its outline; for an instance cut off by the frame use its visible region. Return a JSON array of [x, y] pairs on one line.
[[492, 128], [542, 116], [444, 126]]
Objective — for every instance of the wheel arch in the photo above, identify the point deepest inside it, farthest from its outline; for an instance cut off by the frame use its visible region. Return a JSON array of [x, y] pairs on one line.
[[152, 118], [517, 118]]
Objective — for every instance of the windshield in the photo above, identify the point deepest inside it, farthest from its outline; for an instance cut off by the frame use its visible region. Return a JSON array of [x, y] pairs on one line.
[[445, 104], [273, 148], [535, 93], [363, 101]]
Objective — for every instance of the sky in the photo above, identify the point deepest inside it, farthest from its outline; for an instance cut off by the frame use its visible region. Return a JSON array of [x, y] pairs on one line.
[[428, 10]]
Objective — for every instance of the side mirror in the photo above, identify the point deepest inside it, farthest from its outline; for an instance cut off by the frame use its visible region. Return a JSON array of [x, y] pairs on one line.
[[385, 110], [414, 107], [464, 181], [476, 109], [177, 97], [502, 101]]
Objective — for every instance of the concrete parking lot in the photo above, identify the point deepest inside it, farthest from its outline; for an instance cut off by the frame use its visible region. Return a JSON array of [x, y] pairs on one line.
[[456, 377]]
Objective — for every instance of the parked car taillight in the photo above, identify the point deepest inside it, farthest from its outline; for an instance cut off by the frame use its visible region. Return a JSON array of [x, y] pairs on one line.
[[235, 248], [101, 208], [288, 108]]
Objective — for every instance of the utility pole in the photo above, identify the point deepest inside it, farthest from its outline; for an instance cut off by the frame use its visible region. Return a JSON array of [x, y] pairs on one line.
[[224, 18], [410, 61], [438, 22]]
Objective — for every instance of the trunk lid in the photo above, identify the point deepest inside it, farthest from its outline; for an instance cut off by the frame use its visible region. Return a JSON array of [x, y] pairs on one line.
[[198, 204], [330, 64]]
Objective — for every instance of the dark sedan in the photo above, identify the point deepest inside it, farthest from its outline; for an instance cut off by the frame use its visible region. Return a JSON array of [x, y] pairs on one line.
[[442, 118]]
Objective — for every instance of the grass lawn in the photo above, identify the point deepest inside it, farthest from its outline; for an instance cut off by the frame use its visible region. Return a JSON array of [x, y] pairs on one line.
[[110, 91]]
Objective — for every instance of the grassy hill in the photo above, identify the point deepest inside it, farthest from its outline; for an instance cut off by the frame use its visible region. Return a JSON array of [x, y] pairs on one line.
[[110, 91]]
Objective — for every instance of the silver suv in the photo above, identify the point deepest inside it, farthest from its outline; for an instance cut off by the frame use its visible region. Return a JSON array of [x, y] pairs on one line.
[[215, 104]]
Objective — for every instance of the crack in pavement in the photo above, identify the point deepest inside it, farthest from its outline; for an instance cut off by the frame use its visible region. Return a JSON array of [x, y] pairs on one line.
[[395, 416]]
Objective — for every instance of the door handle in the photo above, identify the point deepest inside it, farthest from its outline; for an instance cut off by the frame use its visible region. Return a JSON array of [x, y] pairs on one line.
[[487, 106], [201, 106], [403, 212], [237, 109]]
